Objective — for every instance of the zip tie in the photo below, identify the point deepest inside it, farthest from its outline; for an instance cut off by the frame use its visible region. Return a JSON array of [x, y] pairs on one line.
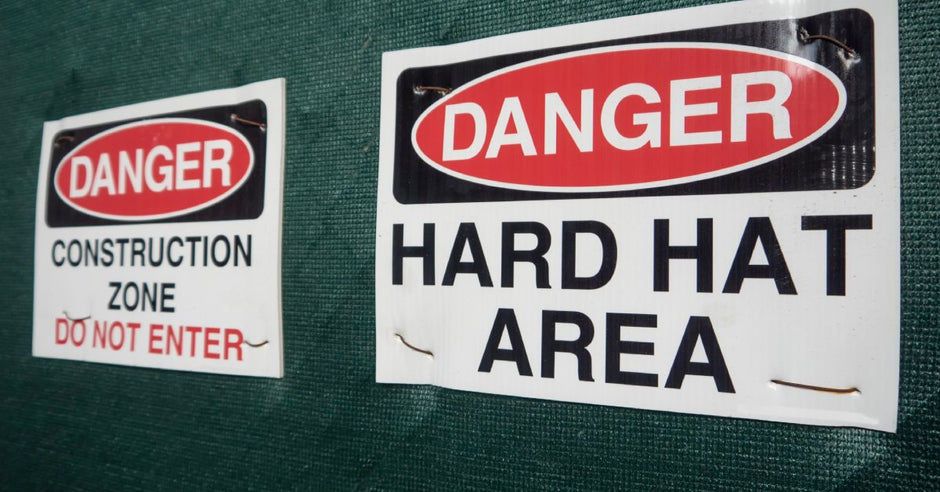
[[239, 119], [838, 391], [66, 313], [255, 345], [421, 89], [412, 347], [806, 37]]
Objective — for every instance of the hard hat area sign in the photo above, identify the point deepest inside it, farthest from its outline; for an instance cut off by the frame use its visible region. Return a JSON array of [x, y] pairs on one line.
[[466, 257], [158, 234], [691, 220]]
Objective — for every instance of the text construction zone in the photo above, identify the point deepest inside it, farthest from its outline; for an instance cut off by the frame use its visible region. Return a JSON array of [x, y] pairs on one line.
[[158, 234]]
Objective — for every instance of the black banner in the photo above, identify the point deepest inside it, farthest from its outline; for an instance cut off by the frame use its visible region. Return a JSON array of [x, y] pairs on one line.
[[842, 158], [247, 202]]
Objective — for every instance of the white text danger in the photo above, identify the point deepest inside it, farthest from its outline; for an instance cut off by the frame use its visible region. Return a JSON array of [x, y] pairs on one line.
[[185, 166], [512, 127]]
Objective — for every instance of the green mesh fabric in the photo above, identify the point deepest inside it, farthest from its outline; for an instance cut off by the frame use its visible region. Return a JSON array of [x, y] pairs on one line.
[[327, 425]]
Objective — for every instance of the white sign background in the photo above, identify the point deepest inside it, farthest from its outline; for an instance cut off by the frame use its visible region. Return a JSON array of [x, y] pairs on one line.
[[247, 298], [849, 341]]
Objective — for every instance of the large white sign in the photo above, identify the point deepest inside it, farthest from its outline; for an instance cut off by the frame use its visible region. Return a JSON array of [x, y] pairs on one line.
[[693, 211], [158, 234]]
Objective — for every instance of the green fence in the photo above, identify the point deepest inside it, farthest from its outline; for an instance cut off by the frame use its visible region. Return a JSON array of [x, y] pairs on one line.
[[327, 425]]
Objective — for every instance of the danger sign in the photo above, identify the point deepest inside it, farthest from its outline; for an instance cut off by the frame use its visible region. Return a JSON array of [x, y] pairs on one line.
[[124, 174], [693, 218], [158, 234], [751, 105]]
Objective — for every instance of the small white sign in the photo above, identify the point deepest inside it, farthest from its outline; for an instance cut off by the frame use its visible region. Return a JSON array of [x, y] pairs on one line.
[[694, 211], [158, 234]]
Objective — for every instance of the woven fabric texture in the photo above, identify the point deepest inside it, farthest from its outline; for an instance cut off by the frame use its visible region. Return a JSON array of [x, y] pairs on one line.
[[327, 424]]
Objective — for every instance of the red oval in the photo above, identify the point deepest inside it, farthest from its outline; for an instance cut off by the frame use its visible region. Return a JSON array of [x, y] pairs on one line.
[[720, 86], [154, 169]]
